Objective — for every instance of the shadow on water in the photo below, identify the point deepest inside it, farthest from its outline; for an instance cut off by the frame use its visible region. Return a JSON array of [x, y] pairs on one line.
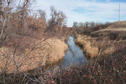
[[74, 55]]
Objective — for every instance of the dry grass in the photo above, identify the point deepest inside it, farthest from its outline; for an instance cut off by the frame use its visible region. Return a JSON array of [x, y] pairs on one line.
[[88, 45], [40, 53], [27, 49], [107, 68]]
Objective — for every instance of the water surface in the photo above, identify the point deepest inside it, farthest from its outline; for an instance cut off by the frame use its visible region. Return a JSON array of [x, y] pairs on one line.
[[74, 55]]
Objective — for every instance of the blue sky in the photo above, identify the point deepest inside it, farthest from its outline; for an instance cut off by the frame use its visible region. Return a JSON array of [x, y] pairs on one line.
[[85, 10]]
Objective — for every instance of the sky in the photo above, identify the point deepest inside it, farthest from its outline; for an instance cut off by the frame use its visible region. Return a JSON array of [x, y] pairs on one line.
[[85, 10]]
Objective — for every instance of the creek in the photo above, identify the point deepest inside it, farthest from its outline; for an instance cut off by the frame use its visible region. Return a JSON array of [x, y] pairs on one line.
[[74, 55]]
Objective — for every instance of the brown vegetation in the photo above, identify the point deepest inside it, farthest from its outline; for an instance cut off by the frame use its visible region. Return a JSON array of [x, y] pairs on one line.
[[109, 65], [108, 70], [88, 45], [24, 44], [29, 42]]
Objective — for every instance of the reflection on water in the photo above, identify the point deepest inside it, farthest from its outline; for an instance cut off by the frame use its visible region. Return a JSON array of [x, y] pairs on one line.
[[74, 55]]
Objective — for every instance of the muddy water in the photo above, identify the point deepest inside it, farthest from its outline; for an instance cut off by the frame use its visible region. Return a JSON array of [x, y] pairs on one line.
[[74, 55]]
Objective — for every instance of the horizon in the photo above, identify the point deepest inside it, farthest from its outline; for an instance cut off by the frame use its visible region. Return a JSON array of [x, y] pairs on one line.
[[99, 11]]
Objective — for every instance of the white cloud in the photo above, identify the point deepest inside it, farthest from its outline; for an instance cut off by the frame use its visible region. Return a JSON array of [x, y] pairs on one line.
[[100, 12], [107, 0]]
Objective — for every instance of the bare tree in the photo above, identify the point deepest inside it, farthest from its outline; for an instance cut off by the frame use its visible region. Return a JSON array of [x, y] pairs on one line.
[[4, 19], [6, 13], [43, 18], [56, 22], [22, 13]]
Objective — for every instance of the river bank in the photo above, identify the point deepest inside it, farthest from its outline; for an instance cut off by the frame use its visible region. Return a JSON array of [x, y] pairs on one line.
[[106, 59], [38, 53], [94, 47], [60, 57]]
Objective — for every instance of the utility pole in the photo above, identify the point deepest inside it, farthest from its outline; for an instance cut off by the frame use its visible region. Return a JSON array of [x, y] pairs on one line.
[[119, 12]]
